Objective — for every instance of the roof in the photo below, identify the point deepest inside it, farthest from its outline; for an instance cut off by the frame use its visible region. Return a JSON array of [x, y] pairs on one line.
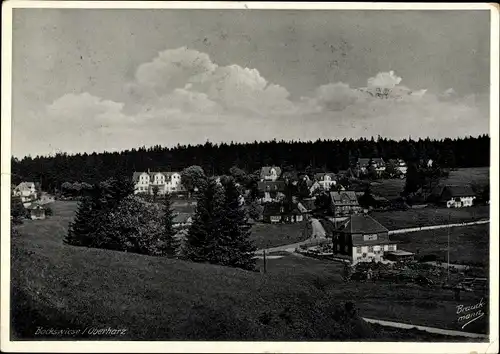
[[362, 161], [136, 175], [344, 198], [321, 176], [271, 186], [25, 185], [457, 191], [272, 209], [34, 205], [362, 224], [266, 170], [290, 175], [181, 218]]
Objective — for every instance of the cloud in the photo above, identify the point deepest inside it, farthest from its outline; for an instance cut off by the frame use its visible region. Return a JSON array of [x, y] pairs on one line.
[[181, 96]]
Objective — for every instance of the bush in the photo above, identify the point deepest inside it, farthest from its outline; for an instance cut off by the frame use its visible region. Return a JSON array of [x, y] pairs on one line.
[[48, 211]]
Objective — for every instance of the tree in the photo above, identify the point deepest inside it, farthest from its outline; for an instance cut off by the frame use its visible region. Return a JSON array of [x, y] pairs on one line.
[[156, 189], [135, 225], [303, 188], [238, 174], [391, 169], [367, 200], [17, 210], [412, 179], [201, 239], [82, 230], [234, 246], [193, 178], [170, 243], [372, 171]]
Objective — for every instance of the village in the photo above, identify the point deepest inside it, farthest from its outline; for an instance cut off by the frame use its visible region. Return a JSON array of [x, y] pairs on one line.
[[323, 215]]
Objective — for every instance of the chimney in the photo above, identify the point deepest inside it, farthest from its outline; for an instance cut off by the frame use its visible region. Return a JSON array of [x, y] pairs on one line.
[[149, 171]]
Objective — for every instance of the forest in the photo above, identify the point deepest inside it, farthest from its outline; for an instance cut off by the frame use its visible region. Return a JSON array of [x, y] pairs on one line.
[[216, 159]]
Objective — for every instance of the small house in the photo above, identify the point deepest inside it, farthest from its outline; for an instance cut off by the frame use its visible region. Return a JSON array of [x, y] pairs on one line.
[[36, 211], [270, 190], [326, 180], [270, 173], [273, 213], [377, 162], [25, 190], [344, 203], [362, 239], [457, 196], [182, 220]]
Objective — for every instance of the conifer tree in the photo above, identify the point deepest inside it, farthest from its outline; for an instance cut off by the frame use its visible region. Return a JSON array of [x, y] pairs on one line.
[[170, 243], [201, 240], [235, 245], [81, 231], [17, 210]]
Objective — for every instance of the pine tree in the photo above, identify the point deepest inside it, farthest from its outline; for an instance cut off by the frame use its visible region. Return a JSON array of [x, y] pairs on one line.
[[235, 245], [81, 231], [170, 243], [17, 210], [201, 240]]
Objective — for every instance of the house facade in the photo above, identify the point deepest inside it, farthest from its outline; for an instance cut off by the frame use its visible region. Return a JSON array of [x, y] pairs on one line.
[[275, 213], [36, 211], [344, 203], [270, 173], [362, 239], [270, 191], [25, 190], [182, 220], [457, 196], [325, 180], [166, 182]]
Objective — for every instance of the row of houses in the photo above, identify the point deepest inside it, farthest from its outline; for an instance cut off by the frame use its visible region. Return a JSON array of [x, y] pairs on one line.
[[162, 182]]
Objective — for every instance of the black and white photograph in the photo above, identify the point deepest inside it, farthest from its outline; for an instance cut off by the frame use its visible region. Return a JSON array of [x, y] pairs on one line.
[[238, 176]]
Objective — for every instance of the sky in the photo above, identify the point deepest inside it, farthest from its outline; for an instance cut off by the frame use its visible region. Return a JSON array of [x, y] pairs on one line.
[[87, 80]]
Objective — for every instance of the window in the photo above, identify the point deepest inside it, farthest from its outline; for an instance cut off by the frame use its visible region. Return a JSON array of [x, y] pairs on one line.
[[346, 249], [391, 247], [358, 250], [370, 249]]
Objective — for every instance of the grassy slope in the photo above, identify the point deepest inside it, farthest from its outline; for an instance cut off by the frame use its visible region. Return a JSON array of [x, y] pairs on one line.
[[269, 235], [391, 188], [469, 244], [153, 298], [430, 216]]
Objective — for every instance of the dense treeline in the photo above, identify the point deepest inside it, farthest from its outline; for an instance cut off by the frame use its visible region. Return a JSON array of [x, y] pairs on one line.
[[217, 159]]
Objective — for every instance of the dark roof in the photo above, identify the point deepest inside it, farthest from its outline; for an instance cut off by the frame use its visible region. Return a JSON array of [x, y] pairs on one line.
[[362, 161], [457, 191], [344, 198], [321, 176], [271, 209], [362, 224], [271, 186], [290, 175], [34, 205]]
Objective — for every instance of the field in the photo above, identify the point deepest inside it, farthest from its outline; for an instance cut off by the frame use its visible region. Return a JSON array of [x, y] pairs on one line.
[[468, 244], [271, 235], [391, 188], [394, 220], [407, 303]]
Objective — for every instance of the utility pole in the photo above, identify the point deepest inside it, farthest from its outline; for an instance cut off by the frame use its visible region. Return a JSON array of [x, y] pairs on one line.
[[448, 268], [265, 261]]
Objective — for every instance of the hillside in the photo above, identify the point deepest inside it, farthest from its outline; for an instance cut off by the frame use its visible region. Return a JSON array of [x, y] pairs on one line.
[[61, 286]]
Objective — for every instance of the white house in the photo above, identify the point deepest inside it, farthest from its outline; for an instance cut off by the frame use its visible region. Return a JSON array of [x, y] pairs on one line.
[[457, 196], [270, 173], [326, 180], [166, 182], [25, 190]]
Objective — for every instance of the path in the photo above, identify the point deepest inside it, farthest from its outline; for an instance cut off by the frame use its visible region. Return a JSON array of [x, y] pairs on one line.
[[446, 332], [313, 241]]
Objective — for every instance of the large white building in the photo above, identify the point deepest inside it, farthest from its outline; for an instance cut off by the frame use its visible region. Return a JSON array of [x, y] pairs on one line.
[[166, 182], [25, 190]]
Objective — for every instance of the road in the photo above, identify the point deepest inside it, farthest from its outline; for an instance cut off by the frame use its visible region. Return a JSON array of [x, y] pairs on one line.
[[446, 332]]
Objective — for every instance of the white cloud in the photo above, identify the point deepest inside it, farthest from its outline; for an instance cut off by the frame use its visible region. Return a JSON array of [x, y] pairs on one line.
[[181, 96]]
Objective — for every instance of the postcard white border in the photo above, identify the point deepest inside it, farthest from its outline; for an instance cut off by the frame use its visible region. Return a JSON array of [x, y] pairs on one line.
[[243, 347]]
